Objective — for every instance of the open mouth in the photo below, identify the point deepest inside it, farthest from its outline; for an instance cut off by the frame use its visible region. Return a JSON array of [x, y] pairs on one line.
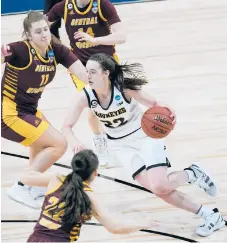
[[90, 82]]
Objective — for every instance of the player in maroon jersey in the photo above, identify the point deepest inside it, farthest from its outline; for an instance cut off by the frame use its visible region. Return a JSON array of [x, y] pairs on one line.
[[93, 26], [70, 202], [30, 66]]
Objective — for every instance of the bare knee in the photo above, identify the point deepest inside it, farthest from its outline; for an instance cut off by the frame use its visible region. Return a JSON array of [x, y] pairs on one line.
[[58, 147], [160, 188]]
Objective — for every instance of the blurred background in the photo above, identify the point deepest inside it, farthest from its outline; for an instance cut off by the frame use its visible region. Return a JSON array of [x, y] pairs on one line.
[[15, 6]]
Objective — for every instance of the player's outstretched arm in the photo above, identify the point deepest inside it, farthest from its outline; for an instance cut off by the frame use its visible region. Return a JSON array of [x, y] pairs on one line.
[[71, 119], [116, 223], [142, 97], [147, 100], [78, 69]]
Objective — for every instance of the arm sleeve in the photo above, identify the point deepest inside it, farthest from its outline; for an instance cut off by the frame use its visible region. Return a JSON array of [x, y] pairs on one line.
[[56, 12], [64, 56], [109, 12]]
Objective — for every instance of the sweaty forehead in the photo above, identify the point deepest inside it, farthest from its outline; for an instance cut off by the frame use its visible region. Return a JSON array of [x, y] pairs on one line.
[[39, 25], [93, 65]]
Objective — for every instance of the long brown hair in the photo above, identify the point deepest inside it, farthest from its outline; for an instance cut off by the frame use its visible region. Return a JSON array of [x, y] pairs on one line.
[[122, 76], [33, 17], [77, 207]]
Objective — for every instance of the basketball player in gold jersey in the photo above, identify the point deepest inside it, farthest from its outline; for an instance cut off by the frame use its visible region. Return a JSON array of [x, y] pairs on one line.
[[70, 201], [30, 67], [93, 26]]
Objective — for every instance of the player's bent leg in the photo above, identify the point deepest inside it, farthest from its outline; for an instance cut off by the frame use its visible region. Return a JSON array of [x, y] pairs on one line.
[[158, 180], [36, 192], [46, 146], [212, 218], [160, 186], [164, 191], [47, 149], [155, 157], [52, 145]]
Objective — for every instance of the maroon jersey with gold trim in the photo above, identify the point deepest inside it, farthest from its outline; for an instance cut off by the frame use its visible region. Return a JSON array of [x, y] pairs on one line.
[[27, 73], [94, 19], [49, 228]]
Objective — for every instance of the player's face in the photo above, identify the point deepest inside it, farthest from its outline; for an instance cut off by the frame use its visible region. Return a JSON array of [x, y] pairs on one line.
[[40, 34], [97, 78]]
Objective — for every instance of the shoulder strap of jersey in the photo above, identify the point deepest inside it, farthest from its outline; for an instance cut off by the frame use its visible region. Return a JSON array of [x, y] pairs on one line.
[[60, 183], [89, 94], [30, 54], [87, 187], [100, 11], [66, 10]]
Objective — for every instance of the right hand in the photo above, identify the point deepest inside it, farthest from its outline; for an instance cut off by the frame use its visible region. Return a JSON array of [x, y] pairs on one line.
[[5, 51], [77, 147]]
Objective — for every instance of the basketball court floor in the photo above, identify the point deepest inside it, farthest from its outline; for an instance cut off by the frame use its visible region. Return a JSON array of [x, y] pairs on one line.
[[183, 47]]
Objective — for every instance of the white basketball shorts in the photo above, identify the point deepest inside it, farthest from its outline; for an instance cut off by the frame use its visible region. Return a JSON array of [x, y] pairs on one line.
[[137, 152]]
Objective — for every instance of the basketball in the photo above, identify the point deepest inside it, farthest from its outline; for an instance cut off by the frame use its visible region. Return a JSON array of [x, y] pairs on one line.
[[156, 122]]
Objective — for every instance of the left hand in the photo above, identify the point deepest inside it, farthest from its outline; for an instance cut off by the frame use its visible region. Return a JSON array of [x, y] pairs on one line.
[[82, 36]]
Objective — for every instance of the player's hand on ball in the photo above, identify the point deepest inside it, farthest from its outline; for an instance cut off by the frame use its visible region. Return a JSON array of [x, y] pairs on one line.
[[173, 114], [158, 121], [81, 36]]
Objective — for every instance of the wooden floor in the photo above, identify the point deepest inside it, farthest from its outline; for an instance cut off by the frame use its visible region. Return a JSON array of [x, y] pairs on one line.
[[183, 46]]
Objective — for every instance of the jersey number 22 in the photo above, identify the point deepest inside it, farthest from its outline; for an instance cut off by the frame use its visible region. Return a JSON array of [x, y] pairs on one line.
[[118, 121]]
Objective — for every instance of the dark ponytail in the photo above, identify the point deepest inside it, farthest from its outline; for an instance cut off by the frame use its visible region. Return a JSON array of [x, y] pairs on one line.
[[125, 76], [77, 207]]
